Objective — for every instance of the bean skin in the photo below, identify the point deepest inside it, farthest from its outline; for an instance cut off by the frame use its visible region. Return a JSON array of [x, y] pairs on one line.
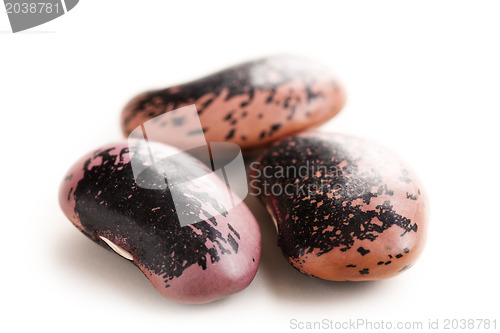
[[251, 104], [193, 263], [354, 212]]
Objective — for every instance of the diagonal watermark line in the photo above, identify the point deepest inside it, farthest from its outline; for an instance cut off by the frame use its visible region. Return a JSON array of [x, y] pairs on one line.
[[63, 3], [147, 144]]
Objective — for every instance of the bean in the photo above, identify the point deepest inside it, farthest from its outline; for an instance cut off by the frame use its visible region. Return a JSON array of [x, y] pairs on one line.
[[344, 208], [137, 215]]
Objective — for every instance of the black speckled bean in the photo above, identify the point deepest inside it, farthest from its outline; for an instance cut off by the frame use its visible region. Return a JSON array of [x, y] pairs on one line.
[[194, 263], [251, 104], [348, 209]]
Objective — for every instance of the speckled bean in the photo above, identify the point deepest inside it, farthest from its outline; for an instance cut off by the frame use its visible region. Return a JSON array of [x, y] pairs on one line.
[[251, 104], [348, 209], [195, 263]]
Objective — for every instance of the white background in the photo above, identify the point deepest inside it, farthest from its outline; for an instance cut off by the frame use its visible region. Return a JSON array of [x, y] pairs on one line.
[[423, 78]]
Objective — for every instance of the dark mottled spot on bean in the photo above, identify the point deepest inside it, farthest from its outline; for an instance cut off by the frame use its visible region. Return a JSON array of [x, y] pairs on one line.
[[363, 251], [275, 127], [178, 121], [411, 196], [287, 102], [233, 243], [230, 134], [195, 132], [234, 231]]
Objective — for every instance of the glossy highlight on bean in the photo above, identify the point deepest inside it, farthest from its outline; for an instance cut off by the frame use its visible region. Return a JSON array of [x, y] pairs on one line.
[[251, 104], [136, 218], [348, 209]]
